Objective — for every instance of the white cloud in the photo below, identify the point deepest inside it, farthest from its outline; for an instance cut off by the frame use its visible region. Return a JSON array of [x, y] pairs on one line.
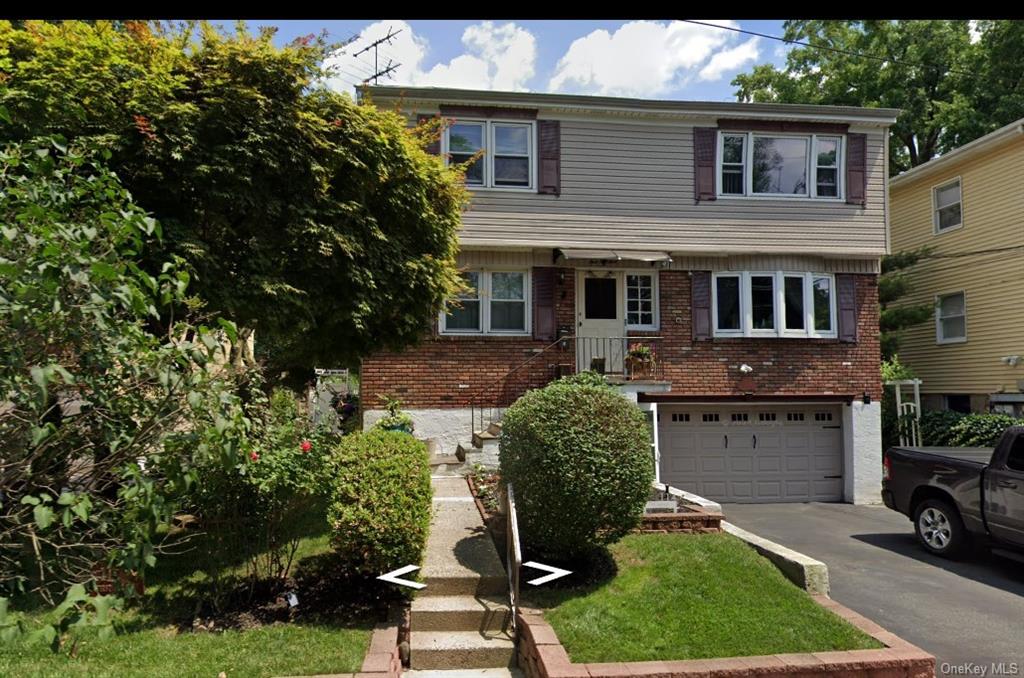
[[647, 58], [730, 60], [497, 57]]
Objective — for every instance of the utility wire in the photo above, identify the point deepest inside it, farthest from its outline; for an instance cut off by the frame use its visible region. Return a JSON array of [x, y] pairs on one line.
[[822, 47]]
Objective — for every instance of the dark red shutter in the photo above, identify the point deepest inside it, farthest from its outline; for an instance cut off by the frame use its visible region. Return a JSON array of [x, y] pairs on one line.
[[544, 303], [434, 147], [549, 150], [700, 298], [856, 169], [704, 142], [846, 294]]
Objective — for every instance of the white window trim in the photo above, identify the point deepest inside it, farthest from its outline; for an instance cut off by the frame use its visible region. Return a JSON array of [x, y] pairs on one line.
[[939, 339], [488, 157], [484, 293], [655, 301], [935, 206], [812, 167], [779, 331]]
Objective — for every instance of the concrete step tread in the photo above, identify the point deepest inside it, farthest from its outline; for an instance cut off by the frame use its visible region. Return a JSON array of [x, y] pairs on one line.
[[464, 673], [439, 459], [420, 641], [459, 603], [486, 435]]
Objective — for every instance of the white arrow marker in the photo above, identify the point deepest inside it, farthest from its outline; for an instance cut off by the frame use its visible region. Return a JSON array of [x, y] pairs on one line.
[[392, 577], [556, 572]]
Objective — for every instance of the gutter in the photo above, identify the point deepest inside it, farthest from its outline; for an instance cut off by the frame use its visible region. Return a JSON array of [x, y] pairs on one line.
[[967, 151]]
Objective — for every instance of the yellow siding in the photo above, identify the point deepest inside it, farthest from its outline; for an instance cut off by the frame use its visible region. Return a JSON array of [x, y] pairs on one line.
[[992, 190]]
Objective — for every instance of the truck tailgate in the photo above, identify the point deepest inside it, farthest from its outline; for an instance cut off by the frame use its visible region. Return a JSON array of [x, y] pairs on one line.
[[977, 455]]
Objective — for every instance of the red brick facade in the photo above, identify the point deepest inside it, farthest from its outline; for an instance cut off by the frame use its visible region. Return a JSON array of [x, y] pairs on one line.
[[448, 372]]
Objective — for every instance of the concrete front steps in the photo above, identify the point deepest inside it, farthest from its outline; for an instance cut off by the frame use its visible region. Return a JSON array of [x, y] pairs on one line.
[[461, 619]]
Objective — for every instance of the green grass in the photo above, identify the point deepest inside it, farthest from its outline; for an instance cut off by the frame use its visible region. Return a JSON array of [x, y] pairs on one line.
[[692, 597], [150, 645]]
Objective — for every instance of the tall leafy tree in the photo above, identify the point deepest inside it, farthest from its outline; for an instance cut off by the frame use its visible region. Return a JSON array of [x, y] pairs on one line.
[[319, 222], [951, 89]]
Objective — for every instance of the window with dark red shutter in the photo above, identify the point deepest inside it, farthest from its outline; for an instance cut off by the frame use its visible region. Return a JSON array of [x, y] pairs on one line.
[[856, 168], [544, 303], [700, 297], [549, 153], [846, 285], [434, 147], [704, 142]]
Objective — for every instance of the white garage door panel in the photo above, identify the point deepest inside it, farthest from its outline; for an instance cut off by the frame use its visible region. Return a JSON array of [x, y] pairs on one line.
[[773, 454]]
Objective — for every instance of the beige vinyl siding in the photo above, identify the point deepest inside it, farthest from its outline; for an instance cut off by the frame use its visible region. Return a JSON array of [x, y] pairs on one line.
[[993, 217], [632, 185], [543, 257]]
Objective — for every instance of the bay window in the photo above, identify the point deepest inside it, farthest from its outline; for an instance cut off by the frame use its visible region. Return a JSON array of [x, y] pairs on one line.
[[760, 164], [508, 152], [493, 302], [773, 304]]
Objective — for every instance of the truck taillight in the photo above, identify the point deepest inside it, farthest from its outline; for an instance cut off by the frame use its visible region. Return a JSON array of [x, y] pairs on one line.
[[886, 467]]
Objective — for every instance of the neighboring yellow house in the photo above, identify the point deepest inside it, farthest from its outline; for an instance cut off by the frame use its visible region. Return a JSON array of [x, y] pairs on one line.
[[968, 205]]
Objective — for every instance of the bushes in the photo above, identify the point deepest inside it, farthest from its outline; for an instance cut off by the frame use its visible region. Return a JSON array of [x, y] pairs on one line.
[[379, 509], [944, 427], [579, 457]]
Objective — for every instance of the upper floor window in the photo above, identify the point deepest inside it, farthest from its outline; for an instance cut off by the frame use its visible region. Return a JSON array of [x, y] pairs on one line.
[[947, 208], [951, 318], [774, 304], [780, 165], [508, 152], [492, 302], [641, 304]]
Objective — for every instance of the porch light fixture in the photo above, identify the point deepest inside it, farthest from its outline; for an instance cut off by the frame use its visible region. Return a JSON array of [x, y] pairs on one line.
[[746, 369], [867, 398]]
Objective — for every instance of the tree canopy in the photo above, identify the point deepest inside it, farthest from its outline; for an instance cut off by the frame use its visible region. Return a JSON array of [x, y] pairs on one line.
[[316, 220], [951, 88]]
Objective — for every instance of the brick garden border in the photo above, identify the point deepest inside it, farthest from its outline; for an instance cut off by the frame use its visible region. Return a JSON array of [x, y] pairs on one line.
[[541, 655], [383, 659], [694, 520]]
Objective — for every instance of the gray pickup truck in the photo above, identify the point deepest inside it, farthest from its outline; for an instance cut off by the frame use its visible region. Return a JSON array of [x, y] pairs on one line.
[[955, 495]]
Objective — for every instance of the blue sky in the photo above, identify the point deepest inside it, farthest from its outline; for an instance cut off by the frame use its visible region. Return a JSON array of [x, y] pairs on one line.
[[648, 59]]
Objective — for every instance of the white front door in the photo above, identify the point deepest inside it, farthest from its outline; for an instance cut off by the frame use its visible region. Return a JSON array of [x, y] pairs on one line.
[[600, 326]]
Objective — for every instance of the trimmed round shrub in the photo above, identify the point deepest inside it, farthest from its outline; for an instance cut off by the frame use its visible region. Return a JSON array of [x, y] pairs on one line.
[[379, 510], [579, 457]]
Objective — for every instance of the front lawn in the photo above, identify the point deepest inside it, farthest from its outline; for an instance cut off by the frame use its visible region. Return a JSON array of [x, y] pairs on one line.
[[679, 596], [152, 641]]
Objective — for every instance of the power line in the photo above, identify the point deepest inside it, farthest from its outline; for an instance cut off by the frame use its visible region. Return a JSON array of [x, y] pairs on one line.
[[821, 47]]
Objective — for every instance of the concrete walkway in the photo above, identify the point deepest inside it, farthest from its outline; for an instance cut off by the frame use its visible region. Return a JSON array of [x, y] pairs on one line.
[[460, 620]]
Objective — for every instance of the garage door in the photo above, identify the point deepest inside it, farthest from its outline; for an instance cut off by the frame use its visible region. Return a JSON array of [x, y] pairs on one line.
[[753, 454]]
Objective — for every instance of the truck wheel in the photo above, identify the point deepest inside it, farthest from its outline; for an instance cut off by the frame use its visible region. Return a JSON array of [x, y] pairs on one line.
[[939, 528]]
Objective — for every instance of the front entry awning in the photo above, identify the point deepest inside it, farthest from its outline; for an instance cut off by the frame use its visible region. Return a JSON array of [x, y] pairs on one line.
[[613, 255]]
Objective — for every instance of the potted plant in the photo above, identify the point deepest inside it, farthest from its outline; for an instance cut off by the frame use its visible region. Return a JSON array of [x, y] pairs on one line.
[[395, 419], [640, 359]]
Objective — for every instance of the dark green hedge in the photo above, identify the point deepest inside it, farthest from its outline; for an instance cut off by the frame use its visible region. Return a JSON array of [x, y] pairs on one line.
[[579, 457], [380, 504], [945, 427]]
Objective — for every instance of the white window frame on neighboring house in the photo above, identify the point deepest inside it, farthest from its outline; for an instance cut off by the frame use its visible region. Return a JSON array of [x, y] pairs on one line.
[[811, 166], [484, 294], [746, 310], [940, 338], [489, 126], [935, 205], [655, 301]]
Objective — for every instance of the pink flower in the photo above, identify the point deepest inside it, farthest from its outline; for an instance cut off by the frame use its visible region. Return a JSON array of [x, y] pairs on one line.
[[306, 446], [254, 456]]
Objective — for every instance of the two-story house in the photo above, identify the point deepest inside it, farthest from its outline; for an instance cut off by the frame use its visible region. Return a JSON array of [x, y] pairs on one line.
[[967, 206], [717, 261]]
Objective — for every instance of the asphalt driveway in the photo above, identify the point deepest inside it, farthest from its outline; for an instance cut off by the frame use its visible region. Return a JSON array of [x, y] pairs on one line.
[[969, 611]]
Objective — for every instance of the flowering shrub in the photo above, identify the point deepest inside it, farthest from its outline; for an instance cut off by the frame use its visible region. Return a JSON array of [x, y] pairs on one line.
[[257, 509]]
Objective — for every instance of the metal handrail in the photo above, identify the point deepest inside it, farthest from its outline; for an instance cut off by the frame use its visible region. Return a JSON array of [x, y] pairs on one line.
[[513, 554], [476, 395]]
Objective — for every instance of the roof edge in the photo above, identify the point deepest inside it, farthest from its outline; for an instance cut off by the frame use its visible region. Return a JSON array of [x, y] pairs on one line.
[[965, 152], [878, 116]]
